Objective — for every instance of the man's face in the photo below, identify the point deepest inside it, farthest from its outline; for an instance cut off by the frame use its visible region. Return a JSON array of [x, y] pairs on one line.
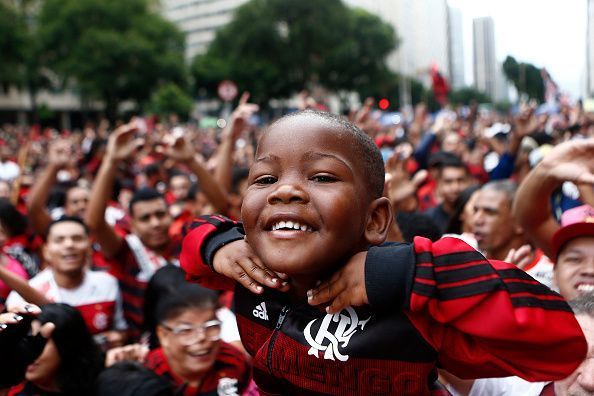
[[581, 381], [492, 223], [67, 247], [150, 222], [306, 203], [180, 186], [452, 143], [452, 182], [77, 199], [574, 270]]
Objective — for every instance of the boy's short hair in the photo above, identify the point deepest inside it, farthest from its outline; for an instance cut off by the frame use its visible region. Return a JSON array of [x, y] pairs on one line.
[[144, 194], [363, 146], [71, 219]]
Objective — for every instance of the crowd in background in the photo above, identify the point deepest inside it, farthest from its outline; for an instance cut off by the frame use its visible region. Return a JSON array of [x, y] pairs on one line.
[[94, 219]]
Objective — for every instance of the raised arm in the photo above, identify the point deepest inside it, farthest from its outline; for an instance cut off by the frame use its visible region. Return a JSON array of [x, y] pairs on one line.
[[59, 157], [239, 121], [121, 145], [484, 318], [180, 150], [571, 161]]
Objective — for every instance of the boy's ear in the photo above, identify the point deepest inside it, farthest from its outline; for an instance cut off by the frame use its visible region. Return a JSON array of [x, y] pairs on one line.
[[379, 218]]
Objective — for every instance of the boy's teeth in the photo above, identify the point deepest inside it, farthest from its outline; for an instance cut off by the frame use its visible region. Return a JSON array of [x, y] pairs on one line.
[[586, 288], [291, 225]]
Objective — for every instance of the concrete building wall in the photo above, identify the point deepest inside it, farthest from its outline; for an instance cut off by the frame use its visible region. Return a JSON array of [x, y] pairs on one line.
[[199, 20], [484, 59], [456, 48]]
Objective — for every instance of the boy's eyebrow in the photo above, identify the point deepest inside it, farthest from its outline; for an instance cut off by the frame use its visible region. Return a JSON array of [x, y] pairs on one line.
[[267, 158], [314, 155]]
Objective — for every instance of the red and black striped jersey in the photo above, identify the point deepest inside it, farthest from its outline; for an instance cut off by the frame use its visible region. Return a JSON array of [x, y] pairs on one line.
[[432, 305], [229, 375]]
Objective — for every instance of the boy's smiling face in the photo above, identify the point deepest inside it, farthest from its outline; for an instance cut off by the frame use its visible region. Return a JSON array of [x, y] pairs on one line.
[[307, 204]]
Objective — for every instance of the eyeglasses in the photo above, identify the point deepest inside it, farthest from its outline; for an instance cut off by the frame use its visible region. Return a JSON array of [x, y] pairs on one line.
[[188, 335]]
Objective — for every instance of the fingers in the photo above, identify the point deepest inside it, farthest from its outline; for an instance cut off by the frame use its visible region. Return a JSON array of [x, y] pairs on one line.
[[244, 98], [419, 177], [26, 309], [8, 319], [47, 329], [251, 273], [326, 292]]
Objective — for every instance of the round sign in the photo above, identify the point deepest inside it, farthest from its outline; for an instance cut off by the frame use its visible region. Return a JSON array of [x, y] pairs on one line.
[[227, 90]]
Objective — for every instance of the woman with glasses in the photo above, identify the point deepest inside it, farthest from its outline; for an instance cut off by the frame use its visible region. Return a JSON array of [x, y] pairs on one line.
[[191, 355]]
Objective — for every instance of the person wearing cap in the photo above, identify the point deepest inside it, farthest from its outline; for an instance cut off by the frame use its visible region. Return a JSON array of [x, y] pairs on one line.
[[571, 243]]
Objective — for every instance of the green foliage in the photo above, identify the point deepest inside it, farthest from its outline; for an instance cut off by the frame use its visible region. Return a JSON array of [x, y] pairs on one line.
[[274, 48], [170, 98], [111, 50], [13, 40], [465, 96], [525, 77]]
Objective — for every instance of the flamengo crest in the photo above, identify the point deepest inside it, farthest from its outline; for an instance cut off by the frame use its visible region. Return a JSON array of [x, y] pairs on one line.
[[331, 341]]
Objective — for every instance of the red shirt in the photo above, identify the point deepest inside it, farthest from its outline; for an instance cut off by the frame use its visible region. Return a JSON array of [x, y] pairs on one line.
[[229, 375]]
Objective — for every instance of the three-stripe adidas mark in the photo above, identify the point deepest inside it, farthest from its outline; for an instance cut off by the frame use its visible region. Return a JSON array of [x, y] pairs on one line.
[[260, 311]]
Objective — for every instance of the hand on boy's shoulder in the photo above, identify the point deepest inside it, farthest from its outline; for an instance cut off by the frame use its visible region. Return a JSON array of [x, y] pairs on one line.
[[238, 261], [344, 289]]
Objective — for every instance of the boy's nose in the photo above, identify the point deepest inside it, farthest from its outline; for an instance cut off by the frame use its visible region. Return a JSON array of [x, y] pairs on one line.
[[287, 193]]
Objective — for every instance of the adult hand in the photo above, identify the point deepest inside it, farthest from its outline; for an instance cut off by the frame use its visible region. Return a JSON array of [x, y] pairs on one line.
[[177, 148], [344, 289], [240, 117], [399, 185], [133, 352], [521, 257], [238, 261], [60, 154], [122, 143], [571, 161], [525, 123]]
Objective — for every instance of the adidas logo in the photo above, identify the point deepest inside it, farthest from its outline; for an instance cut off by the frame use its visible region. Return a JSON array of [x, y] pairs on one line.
[[260, 311]]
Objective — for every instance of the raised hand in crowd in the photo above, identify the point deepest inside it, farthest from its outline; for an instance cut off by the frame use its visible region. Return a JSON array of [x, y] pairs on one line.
[[132, 352], [400, 187], [239, 122], [61, 156], [570, 161], [521, 256]]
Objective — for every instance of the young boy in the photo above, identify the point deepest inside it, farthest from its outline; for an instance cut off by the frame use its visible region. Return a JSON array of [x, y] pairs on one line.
[[314, 211]]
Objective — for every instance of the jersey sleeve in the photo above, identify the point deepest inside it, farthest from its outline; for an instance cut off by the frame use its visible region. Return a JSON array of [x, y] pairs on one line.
[[206, 235], [485, 318]]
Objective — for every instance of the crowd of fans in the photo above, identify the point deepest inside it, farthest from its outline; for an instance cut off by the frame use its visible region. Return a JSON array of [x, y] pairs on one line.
[[92, 222]]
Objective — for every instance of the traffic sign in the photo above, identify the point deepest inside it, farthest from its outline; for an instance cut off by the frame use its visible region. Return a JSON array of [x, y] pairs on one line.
[[227, 90]]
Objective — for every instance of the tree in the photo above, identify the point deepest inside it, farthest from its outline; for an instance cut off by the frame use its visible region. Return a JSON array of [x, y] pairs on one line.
[[525, 77], [274, 48], [12, 45], [111, 50], [169, 99], [465, 96]]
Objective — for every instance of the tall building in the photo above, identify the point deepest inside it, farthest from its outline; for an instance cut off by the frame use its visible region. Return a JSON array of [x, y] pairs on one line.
[[455, 48], [590, 50], [484, 60], [199, 20], [422, 27]]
